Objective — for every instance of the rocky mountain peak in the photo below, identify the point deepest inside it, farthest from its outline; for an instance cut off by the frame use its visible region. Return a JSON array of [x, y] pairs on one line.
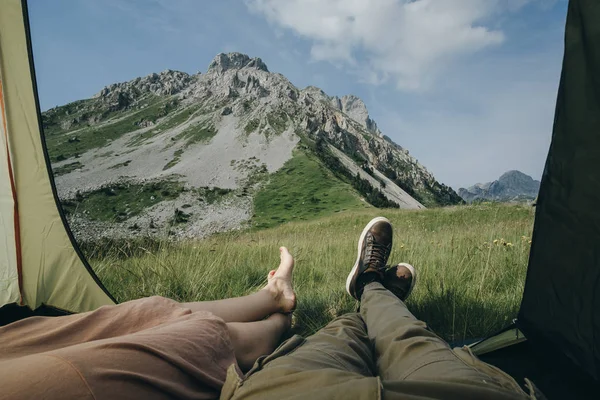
[[227, 129], [515, 176], [226, 61], [511, 186]]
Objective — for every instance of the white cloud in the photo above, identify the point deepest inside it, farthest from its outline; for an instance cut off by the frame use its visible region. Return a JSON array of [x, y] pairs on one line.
[[407, 41]]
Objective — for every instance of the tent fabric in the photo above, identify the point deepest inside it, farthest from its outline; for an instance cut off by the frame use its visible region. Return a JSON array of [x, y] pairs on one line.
[[561, 302], [9, 274], [53, 271]]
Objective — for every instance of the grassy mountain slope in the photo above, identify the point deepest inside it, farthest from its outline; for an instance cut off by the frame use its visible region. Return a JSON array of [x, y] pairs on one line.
[[68, 135], [303, 189]]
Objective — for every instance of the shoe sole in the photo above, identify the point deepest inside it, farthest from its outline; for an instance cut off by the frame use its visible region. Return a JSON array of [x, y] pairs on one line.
[[413, 273], [354, 271]]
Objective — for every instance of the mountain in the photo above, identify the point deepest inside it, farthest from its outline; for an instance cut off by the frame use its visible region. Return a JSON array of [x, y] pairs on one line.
[[511, 186], [196, 154]]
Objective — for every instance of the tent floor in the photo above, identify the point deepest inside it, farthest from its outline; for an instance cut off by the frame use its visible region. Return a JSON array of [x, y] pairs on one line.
[[13, 312], [557, 379]]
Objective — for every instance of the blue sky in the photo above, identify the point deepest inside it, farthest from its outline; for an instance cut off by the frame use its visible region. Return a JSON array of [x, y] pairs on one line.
[[467, 86]]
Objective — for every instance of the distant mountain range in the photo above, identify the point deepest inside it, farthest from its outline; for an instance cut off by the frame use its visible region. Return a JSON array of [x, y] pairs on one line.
[[511, 186], [191, 153]]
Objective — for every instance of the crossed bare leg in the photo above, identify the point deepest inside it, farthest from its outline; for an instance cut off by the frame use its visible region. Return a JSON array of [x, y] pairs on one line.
[[256, 322]]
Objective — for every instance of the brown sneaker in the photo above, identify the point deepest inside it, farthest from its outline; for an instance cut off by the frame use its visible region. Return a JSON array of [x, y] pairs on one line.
[[400, 280], [374, 248]]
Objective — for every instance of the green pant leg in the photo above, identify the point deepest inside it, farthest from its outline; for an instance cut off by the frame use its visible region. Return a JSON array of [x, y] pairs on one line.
[[336, 362], [407, 351]]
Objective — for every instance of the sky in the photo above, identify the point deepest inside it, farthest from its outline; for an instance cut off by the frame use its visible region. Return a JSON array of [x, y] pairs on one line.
[[467, 86]]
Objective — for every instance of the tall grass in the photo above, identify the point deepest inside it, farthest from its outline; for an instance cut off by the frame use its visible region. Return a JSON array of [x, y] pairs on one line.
[[471, 263]]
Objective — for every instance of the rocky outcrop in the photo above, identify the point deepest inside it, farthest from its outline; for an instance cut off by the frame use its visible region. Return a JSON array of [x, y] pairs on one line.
[[224, 62], [165, 83], [512, 186], [356, 109]]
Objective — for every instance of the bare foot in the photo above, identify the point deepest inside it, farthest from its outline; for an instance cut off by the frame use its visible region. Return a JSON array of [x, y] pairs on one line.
[[280, 283]]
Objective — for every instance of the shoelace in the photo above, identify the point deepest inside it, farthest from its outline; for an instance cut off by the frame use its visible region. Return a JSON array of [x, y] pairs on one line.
[[378, 254]]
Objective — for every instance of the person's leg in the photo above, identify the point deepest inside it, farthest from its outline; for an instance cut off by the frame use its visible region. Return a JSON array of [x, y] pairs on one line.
[[184, 358], [276, 297], [336, 362], [411, 359], [251, 340], [40, 334]]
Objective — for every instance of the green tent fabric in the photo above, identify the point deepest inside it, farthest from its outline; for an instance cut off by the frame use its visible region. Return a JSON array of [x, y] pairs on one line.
[[561, 303], [41, 267]]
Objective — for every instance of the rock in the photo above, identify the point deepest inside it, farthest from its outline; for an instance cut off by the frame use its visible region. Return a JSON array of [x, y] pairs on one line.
[[67, 124], [145, 123], [357, 110]]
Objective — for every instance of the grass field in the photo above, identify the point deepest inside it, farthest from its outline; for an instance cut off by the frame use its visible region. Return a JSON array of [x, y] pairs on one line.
[[471, 262]]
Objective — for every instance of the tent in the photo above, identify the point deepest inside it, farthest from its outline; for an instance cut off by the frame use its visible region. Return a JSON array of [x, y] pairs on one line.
[[560, 310], [555, 341], [42, 271]]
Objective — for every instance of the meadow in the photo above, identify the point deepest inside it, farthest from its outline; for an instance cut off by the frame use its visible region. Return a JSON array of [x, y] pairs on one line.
[[471, 263]]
